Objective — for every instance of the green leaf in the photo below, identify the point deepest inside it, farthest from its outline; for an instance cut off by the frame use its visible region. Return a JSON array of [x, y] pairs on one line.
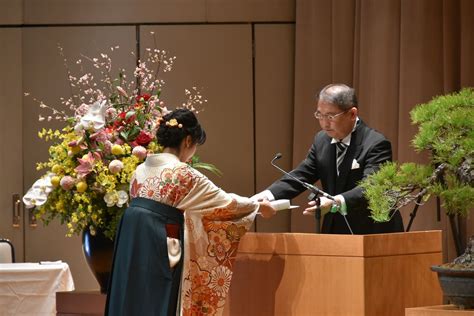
[[124, 134], [208, 167], [133, 133], [129, 114]]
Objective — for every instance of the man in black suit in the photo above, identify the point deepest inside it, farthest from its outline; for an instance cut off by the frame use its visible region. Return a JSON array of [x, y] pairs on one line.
[[343, 153]]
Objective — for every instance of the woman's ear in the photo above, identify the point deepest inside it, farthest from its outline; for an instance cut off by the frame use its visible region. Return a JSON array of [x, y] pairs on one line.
[[188, 141]]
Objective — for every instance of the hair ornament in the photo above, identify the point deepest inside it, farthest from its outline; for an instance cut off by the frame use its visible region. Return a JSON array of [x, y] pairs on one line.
[[173, 122]]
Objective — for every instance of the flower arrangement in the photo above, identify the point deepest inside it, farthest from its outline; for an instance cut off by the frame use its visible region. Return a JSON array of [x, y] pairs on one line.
[[110, 130]]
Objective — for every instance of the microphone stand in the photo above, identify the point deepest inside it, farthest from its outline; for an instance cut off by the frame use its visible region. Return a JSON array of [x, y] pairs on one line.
[[315, 191]]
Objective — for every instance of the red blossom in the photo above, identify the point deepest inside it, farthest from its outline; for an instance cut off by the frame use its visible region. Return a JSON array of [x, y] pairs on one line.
[[143, 138], [144, 96], [122, 120]]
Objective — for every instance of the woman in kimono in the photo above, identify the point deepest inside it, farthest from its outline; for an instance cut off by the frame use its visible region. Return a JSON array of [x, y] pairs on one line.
[[178, 239]]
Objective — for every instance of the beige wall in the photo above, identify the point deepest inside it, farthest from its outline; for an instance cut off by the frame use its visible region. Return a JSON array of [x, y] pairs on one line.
[[11, 12], [11, 154], [156, 11], [274, 77]]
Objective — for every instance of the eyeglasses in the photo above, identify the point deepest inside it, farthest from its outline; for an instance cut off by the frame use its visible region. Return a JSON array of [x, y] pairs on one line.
[[329, 117]]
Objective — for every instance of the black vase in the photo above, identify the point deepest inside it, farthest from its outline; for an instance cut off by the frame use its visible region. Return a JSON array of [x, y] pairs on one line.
[[457, 285], [98, 251]]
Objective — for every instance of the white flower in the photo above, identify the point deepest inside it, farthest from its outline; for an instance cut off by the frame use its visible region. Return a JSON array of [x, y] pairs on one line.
[[139, 152], [220, 280], [118, 198], [110, 198], [34, 198], [122, 198], [38, 193], [94, 118], [115, 166]]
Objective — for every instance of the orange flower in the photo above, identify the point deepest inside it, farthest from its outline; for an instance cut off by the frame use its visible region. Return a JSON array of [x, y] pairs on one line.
[[219, 245]]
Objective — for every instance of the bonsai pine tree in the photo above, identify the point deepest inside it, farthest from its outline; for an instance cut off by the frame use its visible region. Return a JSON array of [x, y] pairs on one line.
[[446, 130]]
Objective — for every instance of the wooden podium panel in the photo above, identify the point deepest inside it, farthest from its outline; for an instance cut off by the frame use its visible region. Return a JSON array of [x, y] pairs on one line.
[[80, 303], [440, 310], [319, 274]]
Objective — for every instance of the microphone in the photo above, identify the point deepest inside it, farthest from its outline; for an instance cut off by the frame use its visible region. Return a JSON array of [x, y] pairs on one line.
[[315, 190]]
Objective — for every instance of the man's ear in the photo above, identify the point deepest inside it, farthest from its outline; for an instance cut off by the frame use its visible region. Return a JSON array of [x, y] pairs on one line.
[[354, 112]]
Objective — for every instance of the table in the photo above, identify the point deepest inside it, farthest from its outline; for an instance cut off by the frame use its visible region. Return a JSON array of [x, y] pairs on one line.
[[30, 288]]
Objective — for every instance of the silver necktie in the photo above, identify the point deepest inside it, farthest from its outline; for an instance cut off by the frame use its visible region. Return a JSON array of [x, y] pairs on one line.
[[340, 153]]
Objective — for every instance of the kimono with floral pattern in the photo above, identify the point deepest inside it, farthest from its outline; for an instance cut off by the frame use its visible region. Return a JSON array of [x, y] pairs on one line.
[[215, 221]]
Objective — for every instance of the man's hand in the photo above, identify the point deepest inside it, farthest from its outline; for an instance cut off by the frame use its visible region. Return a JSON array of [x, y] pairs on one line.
[[266, 209], [325, 206]]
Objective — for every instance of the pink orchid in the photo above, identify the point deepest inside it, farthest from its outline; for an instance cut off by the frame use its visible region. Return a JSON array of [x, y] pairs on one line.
[[86, 163], [76, 142], [99, 137]]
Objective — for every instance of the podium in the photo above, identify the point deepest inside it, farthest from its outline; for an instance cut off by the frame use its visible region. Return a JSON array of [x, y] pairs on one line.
[[321, 274]]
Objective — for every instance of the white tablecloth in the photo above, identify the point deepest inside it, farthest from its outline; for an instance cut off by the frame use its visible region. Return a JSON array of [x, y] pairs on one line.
[[30, 288]]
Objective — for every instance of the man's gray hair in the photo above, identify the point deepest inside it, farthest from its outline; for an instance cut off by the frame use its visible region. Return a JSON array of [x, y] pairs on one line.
[[339, 94]]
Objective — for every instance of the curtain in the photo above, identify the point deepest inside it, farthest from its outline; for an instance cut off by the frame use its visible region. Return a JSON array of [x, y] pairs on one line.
[[395, 53]]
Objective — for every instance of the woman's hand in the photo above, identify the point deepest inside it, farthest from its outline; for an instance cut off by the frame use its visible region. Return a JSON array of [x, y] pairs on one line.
[[266, 209]]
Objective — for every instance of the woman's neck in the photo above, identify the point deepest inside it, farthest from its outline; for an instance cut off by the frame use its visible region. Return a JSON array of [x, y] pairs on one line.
[[170, 150]]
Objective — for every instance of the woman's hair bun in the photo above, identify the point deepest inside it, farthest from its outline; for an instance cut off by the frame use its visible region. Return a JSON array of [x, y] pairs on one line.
[[176, 125]]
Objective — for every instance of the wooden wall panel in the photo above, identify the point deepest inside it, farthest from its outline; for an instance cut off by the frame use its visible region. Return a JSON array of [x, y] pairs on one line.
[[217, 59], [156, 11], [44, 76], [113, 11], [313, 70], [11, 12], [274, 69], [250, 10], [11, 154]]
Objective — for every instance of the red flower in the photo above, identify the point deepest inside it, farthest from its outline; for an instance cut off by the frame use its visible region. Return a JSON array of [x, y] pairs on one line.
[[123, 120], [143, 138], [144, 96]]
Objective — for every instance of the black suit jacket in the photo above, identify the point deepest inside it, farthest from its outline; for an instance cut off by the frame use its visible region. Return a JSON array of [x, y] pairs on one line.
[[369, 148]]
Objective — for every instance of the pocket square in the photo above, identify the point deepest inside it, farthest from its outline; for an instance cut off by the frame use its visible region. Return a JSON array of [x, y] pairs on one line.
[[355, 165]]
